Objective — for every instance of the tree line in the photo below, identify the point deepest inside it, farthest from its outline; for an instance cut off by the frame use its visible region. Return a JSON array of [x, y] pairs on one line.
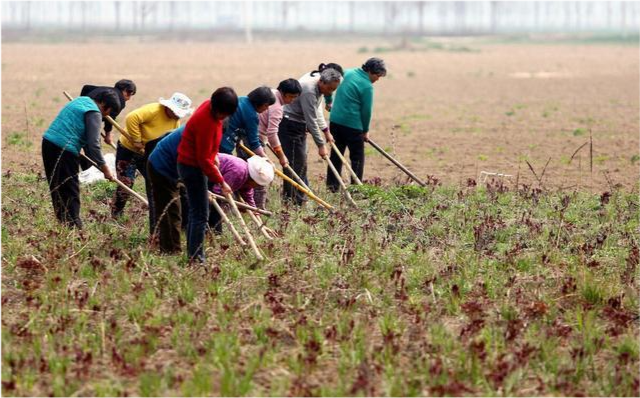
[[407, 17]]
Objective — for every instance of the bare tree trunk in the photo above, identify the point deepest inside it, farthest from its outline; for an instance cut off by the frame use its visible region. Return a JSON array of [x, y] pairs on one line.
[[14, 12], [144, 11], [187, 7], [134, 14], [588, 14], [285, 13], [460, 15], [70, 22], [567, 15], [116, 5], [59, 17], [420, 5], [147, 9], [83, 15], [390, 14], [26, 8], [352, 15], [623, 16], [609, 14], [154, 20], [550, 13], [172, 15], [248, 21], [442, 12], [636, 21], [494, 16]]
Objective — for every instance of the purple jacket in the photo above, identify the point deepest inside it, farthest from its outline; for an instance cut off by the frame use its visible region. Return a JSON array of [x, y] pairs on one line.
[[236, 173]]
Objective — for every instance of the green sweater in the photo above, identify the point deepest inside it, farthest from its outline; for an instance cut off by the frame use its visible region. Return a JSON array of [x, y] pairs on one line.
[[353, 101]]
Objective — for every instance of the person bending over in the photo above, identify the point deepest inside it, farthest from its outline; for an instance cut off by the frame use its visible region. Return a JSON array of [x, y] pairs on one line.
[[144, 125], [197, 151], [76, 127], [125, 90], [288, 90], [243, 176], [243, 124], [299, 116], [351, 116]]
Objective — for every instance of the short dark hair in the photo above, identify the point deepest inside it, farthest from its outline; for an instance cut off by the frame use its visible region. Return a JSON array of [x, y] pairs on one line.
[[261, 96], [108, 98], [375, 66], [126, 85], [224, 101], [290, 86], [330, 65]]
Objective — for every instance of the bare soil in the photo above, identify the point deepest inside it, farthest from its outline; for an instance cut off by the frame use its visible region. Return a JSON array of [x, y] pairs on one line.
[[446, 114]]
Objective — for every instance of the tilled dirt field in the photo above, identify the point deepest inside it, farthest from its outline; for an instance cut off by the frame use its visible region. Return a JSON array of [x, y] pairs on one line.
[[448, 114]]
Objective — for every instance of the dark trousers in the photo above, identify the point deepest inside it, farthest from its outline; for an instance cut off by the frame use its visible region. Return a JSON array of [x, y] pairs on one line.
[[293, 137], [195, 183], [127, 164], [215, 219], [346, 137], [168, 210], [61, 168]]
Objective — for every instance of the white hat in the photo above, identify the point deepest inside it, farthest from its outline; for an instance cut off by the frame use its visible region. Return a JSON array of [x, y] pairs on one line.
[[260, 170], [179, 104]]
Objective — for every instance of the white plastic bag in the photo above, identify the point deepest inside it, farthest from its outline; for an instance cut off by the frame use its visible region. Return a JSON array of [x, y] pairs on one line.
[[91, 175]]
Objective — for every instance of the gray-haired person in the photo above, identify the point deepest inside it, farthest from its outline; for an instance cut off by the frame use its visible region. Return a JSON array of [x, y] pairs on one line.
[[351, 115], [299, 116]]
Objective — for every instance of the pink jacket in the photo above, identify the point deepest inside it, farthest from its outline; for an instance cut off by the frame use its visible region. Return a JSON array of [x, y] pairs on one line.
[[269, 121]]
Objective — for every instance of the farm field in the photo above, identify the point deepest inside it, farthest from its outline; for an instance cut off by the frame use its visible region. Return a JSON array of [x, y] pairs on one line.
[[522, 286], [447, 113]]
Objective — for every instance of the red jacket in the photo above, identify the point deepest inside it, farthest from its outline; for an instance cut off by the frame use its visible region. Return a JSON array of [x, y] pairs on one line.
[[200, 142]]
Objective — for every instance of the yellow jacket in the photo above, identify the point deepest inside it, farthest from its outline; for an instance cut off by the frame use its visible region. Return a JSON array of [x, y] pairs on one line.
[[146, 124]]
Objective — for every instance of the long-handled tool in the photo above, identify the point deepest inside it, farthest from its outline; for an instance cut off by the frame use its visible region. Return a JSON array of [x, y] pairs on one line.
[[290, 170], [243, 205], [400, 166], [342, 184], [345, 163], [126, 188], [120, 183], [247, 233], [290, 181], [226, 220], [110, 120], [267, 232]]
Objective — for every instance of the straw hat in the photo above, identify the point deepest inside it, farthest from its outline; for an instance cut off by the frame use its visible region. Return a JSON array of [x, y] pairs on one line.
[[179, 104]]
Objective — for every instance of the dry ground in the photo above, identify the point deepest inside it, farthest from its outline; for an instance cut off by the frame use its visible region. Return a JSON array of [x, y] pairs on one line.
[[444, 290], [450, 114]]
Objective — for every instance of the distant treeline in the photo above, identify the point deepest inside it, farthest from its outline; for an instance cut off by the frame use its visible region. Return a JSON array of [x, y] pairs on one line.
[[385, 17]]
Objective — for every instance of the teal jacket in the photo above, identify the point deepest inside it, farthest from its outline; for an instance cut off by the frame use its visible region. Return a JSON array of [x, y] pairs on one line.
[[353, 102], [68, 130], [243, 122]]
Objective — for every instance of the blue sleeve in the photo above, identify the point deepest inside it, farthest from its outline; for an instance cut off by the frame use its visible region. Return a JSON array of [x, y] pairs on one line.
[[251, 127], [228, 140]]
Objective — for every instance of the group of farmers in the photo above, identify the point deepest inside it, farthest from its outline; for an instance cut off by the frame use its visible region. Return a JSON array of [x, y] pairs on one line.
[[182, 163]]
